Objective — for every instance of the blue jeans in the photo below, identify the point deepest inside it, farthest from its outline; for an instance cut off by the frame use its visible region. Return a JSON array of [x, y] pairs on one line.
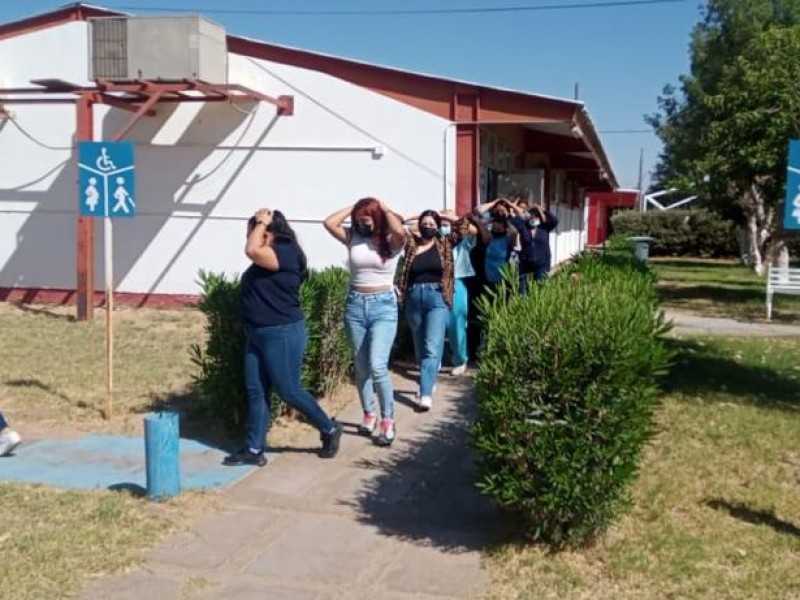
[[3, 422], [273, 358], [537, 274], [457, 324], [427, 316], [371, 324]]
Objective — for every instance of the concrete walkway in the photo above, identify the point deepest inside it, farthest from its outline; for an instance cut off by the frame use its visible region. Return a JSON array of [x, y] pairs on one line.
[[374, 523], [687, 323]]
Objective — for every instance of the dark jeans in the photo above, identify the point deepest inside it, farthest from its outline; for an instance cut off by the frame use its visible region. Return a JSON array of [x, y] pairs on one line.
[[527, 273], [474, 289], [273, 358], [3, 422]]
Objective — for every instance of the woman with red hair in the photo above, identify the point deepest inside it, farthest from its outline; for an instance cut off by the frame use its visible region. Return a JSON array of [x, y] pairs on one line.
[[374, 242]]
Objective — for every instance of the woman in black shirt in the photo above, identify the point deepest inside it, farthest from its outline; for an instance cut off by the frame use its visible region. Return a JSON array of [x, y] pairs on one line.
[[276, 335], [426, 291]]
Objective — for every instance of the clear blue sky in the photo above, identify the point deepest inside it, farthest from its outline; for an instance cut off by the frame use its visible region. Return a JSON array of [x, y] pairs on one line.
[[621, 57]]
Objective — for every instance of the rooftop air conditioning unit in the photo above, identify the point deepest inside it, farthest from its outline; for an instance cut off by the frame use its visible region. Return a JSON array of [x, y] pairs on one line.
[[157, 48]]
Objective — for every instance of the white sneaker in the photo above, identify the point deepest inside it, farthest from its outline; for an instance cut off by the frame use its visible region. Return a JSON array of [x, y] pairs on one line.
[[425, 403], [416, 394], [459, 370], [9, 439]]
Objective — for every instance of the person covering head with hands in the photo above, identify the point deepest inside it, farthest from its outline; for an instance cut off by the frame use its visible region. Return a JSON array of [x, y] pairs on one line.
[[426, 287], [374, 241], [276, 335], [535, 257], [499, 236]]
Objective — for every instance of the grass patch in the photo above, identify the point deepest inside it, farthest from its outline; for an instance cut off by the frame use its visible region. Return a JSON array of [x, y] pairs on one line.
[[52, 540], [720, 288], [52, 384], [53, 368], [716, 511]]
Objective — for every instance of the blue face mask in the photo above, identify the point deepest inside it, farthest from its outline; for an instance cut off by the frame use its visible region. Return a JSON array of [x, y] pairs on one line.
[[445, 230]]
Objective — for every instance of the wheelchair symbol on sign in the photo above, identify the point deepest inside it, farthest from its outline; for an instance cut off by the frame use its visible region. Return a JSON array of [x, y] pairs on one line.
[[104, 162]]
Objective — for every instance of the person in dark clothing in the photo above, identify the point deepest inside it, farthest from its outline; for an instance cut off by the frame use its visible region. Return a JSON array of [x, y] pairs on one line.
[[534, 257], [276, 335]]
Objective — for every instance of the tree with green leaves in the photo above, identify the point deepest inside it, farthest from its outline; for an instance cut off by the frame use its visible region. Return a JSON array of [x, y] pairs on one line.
[[726, 128]]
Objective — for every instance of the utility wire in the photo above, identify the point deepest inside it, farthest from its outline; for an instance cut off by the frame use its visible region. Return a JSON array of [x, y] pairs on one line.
[[396, 12], [625, 131]]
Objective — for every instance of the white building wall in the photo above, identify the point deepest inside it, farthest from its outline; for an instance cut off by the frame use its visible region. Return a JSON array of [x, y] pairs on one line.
[[569, 238], [203, 169]]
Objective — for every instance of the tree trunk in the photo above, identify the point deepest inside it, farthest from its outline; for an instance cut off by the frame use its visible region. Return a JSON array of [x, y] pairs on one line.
[[780, 254], [753, 248], [759, 227]]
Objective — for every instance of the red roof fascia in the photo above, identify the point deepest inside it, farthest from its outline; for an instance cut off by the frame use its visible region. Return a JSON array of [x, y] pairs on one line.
[[433, 94], [75, 12]]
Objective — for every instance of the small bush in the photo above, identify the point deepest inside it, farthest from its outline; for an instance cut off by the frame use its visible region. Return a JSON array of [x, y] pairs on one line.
[[680, 232], [221, 377], [566, 385]]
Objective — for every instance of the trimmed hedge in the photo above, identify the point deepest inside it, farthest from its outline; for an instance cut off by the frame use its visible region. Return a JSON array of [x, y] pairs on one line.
[[680, 232], [220, 379], [566, 386]]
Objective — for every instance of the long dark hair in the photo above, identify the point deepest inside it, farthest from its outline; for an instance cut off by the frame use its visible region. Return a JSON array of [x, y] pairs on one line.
[[282, 233], [370, 207], [436, 218]]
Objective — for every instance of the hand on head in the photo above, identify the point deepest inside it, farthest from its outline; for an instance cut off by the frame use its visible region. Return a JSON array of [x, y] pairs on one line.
[[264, 215]]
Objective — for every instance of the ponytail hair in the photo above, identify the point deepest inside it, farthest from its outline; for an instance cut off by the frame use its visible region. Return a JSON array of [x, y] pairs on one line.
[[282, 233]]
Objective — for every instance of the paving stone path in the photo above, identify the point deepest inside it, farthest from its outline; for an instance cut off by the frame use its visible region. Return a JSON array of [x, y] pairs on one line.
[[687, 323], [374, 523]]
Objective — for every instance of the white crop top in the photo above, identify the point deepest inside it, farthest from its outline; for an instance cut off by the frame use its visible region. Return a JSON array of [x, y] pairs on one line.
[[367, 267]]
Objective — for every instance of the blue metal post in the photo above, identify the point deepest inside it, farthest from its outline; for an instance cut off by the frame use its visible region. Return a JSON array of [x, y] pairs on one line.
[[162, 455]]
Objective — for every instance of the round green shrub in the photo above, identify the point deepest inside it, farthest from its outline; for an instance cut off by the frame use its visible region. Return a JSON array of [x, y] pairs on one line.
[[566, 387]]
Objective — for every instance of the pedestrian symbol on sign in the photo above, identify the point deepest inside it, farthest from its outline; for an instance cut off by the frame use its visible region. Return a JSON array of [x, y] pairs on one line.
[[106, 175], [122, 197]]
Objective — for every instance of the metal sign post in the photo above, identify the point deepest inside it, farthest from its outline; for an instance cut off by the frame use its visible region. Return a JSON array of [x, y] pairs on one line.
[[106, 189]]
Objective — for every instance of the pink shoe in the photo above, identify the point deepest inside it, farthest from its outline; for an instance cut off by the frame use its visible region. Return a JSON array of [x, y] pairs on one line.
[[387, 434], [368, 424]]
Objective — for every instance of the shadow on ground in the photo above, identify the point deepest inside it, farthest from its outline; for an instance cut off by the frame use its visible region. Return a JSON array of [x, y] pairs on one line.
[[425, 488], [700, 369], [46, 311], [756, 517], [733, 296], [195, 424]]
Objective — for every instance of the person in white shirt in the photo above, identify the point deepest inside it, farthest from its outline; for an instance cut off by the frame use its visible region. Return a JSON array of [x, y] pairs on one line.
[[374, 243]]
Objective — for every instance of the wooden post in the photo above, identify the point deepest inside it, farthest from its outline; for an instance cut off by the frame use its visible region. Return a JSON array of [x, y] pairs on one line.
[[84, 285]]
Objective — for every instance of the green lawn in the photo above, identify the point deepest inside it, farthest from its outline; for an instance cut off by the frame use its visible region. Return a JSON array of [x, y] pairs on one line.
[[719, 288], [52, 384], [716, 507]]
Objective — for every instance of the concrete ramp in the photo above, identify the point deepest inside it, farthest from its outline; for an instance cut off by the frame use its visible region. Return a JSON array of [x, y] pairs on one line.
[[110, 461]]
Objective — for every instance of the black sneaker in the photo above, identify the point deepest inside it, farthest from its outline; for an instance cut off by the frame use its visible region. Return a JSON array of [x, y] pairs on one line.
[[245, 457], [330, 442]]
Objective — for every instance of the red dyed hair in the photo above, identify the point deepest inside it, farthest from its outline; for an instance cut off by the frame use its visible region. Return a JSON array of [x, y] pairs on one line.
[[370, 207]]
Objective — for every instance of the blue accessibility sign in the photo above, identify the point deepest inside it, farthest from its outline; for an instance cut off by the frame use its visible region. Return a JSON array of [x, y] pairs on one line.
[[106, 179], [791, 206]]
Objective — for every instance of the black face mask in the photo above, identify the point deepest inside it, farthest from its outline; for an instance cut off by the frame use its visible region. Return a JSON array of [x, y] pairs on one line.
[[363, 230], [427, 233], [500, 218]]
